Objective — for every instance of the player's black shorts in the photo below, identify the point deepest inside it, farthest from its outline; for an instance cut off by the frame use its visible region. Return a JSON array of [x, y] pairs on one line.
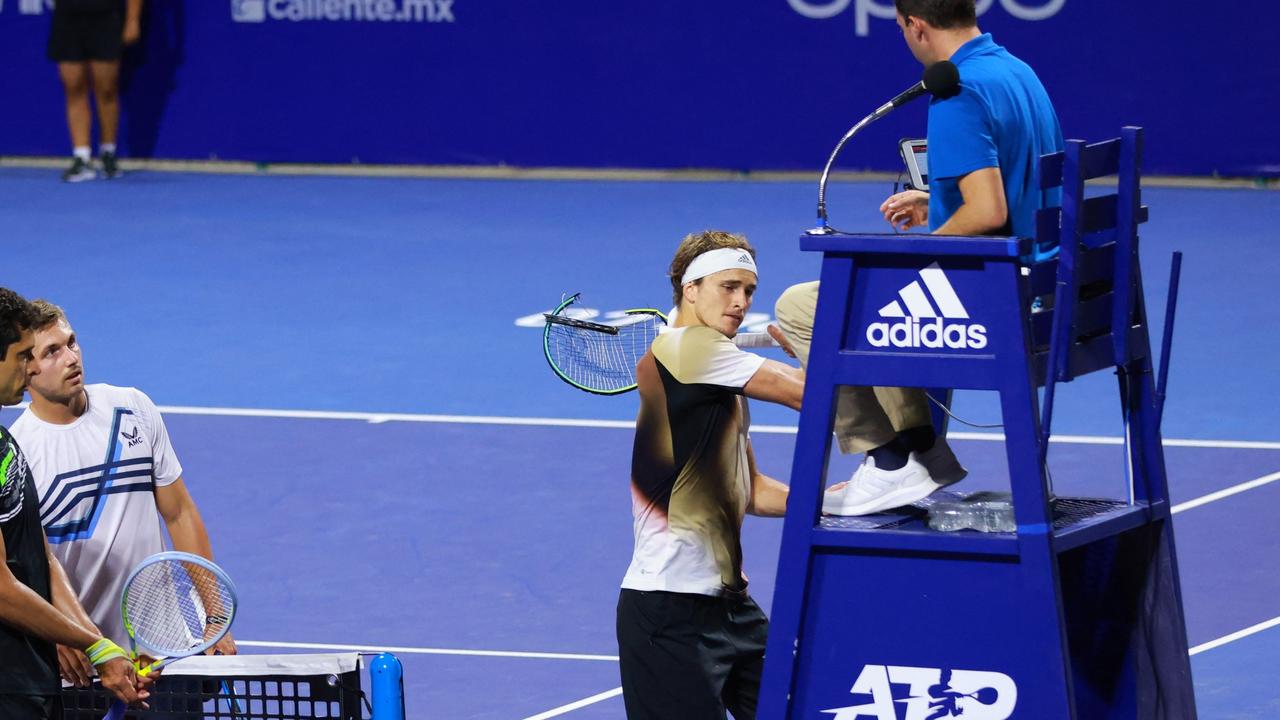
[[79, 37], [30, 707], [690, 657]]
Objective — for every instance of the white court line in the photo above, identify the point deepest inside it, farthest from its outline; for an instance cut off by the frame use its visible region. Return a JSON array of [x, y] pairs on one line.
[[554, 712], [377, 418], [1228, 492], [1252, 630], [427, 651]]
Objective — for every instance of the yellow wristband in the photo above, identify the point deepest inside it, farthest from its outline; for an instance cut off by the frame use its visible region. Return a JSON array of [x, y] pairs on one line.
[[104, 651]]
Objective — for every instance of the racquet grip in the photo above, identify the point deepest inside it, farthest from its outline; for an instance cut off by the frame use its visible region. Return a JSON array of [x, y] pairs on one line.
[[754, 340], [116, 712]]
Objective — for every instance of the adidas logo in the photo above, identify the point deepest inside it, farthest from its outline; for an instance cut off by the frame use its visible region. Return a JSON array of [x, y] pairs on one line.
[[745, 259], [921, 326]]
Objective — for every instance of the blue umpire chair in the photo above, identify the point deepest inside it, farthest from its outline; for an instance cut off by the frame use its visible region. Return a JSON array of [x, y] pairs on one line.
[[1078, 614]]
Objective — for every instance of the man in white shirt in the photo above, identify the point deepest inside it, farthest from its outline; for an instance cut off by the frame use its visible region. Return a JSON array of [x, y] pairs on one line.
[[690, 638], [106, 475], [38, 607]]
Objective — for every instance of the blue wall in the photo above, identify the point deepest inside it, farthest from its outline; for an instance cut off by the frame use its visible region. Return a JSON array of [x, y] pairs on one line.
[[738, 84]]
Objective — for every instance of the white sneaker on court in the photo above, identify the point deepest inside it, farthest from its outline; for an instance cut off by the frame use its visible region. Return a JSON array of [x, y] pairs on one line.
[[872, 490], [942, 464]]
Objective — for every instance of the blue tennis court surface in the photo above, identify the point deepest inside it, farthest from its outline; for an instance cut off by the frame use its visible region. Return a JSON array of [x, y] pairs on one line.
[[384, 460]]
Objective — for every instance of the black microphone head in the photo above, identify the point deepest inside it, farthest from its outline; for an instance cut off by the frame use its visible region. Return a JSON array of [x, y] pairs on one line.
[[942, 79]]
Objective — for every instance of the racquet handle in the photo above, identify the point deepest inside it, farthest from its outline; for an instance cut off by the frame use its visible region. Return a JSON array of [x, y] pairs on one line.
[[754, 340], [116, 712]]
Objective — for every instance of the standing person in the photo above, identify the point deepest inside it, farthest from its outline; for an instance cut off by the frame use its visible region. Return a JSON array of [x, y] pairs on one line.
[[102, 519], [38, 608], [86, 39], [984, 156], [691, 640]]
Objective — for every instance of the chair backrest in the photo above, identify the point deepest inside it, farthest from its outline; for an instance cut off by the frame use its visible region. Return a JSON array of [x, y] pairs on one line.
[[1093, 289]]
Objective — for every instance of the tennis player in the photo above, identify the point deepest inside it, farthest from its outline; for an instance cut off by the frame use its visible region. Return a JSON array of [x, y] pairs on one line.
[[38, 608], [691, 640], [102, 519]]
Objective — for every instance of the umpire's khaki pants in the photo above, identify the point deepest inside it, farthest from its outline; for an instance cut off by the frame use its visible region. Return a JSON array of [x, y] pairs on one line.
[[866, 417]]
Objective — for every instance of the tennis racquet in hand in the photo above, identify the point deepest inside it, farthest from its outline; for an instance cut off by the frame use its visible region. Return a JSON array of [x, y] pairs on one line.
[[601, 358], [597, 357], [175, 605]]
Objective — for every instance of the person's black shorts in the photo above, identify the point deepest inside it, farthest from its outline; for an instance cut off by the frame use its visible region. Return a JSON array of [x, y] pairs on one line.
[[80, 37], [30, 707], [690, 657]]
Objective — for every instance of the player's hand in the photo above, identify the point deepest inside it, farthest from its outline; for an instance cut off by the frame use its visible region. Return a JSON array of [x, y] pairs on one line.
[[144, 663], [225, 646], [120, 679], [907, 209], [775, 332], [74, 666], [132, 32]]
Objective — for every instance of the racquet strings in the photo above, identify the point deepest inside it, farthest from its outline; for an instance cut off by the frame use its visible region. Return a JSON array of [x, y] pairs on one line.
[[173, 606], [602, 361]]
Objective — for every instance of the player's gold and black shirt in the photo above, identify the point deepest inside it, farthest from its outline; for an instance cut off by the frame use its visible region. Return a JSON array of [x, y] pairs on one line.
[[690, 478], [28, 665]]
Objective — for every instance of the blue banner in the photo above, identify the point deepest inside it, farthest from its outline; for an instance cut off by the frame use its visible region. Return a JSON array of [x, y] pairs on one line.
[[765, 84]]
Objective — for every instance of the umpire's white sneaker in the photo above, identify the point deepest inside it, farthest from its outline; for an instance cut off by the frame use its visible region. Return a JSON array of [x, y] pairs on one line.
[[942, 464], [872, 490]]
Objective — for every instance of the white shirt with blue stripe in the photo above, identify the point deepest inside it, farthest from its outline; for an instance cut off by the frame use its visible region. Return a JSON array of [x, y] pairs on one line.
[[96, 478]]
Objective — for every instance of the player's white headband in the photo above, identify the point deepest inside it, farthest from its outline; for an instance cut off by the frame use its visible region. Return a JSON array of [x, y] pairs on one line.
[[713, 261]]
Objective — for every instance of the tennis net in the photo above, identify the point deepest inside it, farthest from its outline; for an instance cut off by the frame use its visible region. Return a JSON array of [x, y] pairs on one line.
[[241, 687]]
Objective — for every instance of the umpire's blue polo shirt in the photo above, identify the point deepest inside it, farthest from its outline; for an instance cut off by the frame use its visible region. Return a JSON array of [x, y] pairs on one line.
[[1002, 118]]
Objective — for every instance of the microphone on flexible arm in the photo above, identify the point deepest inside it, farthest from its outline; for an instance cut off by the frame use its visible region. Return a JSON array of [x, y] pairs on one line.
[[941, 79]]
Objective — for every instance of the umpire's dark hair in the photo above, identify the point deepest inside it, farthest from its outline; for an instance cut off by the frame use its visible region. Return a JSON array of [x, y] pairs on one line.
[[16, 317], [942, 14]]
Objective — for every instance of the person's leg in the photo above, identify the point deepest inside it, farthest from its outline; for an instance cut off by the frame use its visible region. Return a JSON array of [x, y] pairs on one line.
[[749, 630], [105, 48], [106, 90], [75, 85], [661, 658], [861, 424], [889, 424]]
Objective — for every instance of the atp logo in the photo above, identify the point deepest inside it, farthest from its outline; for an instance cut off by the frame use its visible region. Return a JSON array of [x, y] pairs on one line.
[[930, 694], [923, 326]]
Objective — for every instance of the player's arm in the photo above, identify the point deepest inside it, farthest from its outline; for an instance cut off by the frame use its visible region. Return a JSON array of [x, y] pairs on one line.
[[72, 660], [985, 209], [778, 383], [183, 520], [187, 530], [22, 608], [768, 496], [132, 21]]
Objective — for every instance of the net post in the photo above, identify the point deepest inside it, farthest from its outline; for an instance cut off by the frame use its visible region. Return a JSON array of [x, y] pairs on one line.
[[386, 685]]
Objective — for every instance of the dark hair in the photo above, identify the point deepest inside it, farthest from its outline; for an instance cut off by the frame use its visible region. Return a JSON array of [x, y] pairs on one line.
[[693, 245], [942, 14], [16, 317]]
